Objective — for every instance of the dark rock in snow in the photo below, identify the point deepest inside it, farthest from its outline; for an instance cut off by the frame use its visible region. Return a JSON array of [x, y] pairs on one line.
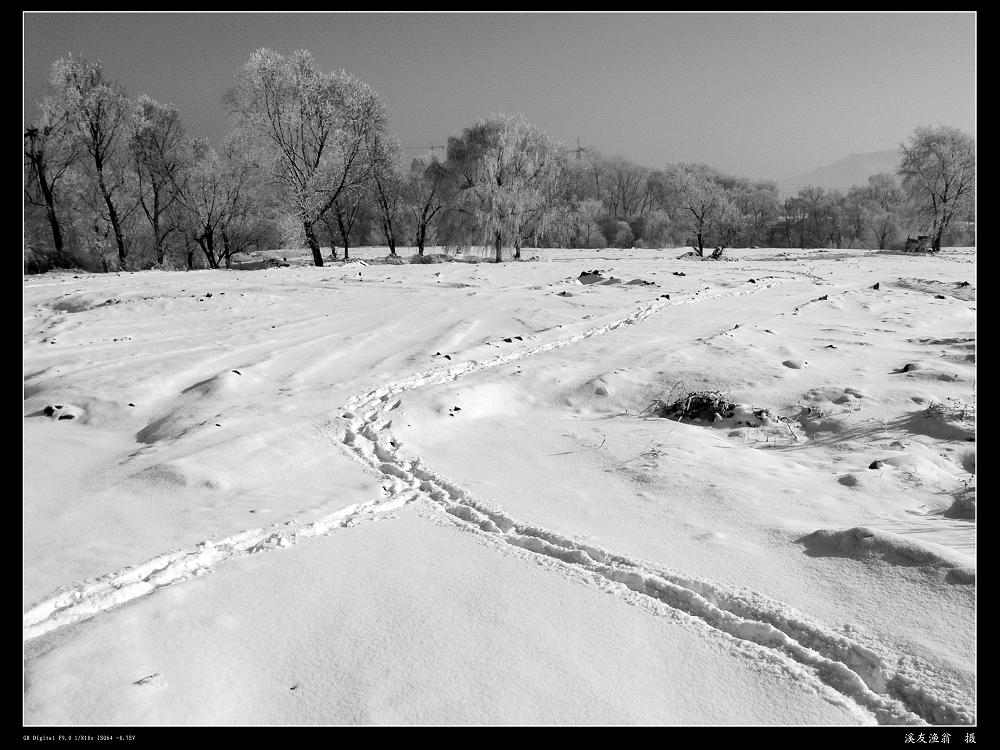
[[876, 464]]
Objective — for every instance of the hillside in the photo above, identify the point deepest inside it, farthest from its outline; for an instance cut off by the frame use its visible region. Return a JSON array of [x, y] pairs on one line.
[[851, 170]]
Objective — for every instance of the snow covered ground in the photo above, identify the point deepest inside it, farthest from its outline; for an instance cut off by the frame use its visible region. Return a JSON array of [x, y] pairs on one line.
[[436, 494]]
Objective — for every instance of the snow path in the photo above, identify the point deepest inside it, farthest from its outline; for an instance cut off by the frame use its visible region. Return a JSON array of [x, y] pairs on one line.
[[813, 651]]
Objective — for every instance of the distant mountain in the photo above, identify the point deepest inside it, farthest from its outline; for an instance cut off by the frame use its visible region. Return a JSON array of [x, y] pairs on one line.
[[851, 170]]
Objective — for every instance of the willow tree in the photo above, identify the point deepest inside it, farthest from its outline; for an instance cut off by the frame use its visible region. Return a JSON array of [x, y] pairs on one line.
[[938, 172], [310, 127], [502, 166]]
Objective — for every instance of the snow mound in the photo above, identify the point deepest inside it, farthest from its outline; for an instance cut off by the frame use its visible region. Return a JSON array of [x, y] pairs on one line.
[[862, 542]]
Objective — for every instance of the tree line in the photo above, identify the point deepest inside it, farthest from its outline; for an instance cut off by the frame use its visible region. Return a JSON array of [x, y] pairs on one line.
[[115, 182]]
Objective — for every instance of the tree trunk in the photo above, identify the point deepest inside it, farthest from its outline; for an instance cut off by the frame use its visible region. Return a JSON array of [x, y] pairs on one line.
[[329, 230], [390, 238], [113, 216], [158, 241], [50, 210], [154, 221], [938, 235], [498, 247], [313, 242], [421, 237], [207, 243], [38, 161], [57, 239], [116, 227]]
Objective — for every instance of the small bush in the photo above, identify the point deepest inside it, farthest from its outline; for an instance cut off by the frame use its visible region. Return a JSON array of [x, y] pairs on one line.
[[431, 258]]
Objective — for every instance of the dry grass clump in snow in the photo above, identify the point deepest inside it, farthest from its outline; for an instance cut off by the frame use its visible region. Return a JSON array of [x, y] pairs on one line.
[[718, 409], [952, 419], [954, 410], [699, 405], [964, 505], [714, 407]]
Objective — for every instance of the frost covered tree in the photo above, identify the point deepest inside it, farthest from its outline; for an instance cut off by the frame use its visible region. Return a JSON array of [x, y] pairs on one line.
[[387, 186], [758, 203], [938, 172], [884, 200], [701, 203], [49, 152], [626, 191], [160, 154], [588, 212], [217, 195], [312, 127], [426, 195], [99, 113], [502, 166], [342, 215]]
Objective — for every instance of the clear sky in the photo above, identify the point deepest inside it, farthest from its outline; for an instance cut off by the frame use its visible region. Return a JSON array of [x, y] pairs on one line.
[[760, 95]]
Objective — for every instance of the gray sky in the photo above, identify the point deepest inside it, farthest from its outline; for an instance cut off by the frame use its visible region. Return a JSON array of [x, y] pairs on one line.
[[760, 95]]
